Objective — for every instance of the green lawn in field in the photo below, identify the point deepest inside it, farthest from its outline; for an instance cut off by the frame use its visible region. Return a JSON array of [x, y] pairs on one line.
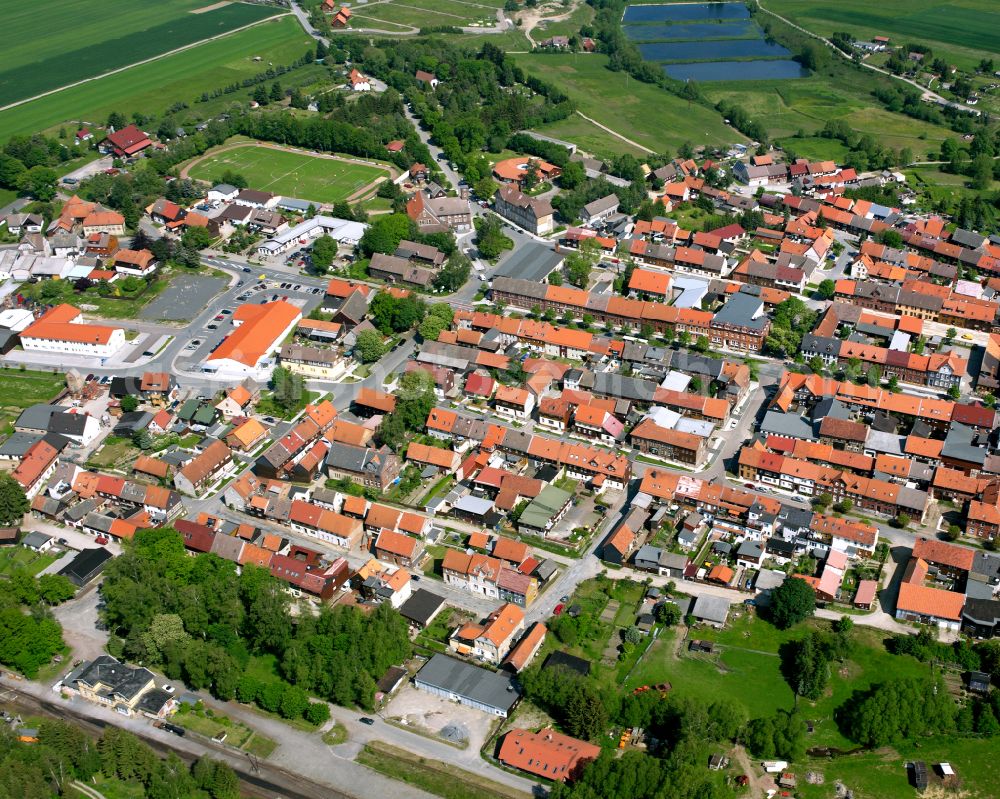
[[964, 31], [20, 389], [583, 14], [786, 107], [429, 13], [107, 47], [816, 148], [749, 656], [587, 136], [152, 88], [321, 180], [882, 774], [639, 111]]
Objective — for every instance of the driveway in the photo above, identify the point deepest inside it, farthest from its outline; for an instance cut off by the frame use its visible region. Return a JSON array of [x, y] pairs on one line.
[[79, 620]]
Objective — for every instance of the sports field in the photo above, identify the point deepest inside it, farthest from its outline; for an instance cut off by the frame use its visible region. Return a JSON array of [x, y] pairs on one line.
[[39, 57], [305, 177], [639, 111], [152, 88], [962, 30]]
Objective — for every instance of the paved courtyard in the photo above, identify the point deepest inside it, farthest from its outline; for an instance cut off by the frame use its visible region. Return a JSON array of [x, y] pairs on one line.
[[440, 717], [185, 298]]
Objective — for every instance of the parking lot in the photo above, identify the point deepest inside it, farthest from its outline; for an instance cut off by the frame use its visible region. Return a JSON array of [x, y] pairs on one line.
[[184, 298]]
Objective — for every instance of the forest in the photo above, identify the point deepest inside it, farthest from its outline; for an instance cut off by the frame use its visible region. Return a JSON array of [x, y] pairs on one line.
[[65, 753], [203, 623]]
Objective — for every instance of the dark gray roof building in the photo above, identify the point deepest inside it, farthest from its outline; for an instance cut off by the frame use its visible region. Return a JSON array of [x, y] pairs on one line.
[[490, 691]]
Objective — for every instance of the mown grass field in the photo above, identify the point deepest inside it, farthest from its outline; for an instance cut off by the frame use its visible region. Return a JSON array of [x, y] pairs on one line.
[[31, 66], [292, 174], [965, 30], [639, 111], [152, 88], [20, 389], [426, 13], [750, 657], [589, 137], [786, 107]]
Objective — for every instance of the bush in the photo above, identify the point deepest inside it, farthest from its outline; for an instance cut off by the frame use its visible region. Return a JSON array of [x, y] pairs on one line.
[[317, 713]]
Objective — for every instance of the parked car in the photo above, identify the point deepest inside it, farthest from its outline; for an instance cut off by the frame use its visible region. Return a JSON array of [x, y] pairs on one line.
[[366, 720], [558, 609]]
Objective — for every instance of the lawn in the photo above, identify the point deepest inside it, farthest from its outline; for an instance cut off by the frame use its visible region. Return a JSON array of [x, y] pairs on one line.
[[21, 388], [639, 111], [787, 107], [589, 138], [238, 734], [749, 656], [433, 776], [816, 148], [268, 407], [35, 57], [882, 774], [964, 31], [301, 175], [14, 558], [152, 88]]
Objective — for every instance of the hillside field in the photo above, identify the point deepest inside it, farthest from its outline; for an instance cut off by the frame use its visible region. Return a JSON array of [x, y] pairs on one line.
[[299, 175], [39, 58], [154, 87], [644, 113]]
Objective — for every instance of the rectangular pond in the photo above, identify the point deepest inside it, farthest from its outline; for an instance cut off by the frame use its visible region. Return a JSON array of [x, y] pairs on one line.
[[704, 71], [686, 12], [666, 33], [712, 51]]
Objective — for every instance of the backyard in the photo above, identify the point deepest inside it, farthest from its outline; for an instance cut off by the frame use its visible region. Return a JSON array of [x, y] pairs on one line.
[[20, 389], [14, 558], [293, 174]]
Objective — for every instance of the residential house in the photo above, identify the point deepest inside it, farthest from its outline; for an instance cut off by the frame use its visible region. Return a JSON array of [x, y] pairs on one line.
[[202, 470]]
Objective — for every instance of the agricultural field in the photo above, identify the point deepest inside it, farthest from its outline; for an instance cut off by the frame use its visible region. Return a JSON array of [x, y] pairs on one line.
[[787, 107], [646, 114], [964, 31], [389, 15], [35, 63], [20, 389], [154, 87], [294, 174]]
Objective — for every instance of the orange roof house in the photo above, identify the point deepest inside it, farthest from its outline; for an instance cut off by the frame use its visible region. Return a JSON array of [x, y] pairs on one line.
[[527, 647], [513, 170], [548, 753], [247, 435]]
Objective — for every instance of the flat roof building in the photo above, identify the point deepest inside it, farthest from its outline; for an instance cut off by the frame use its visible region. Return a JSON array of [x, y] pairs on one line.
[[490, 691]]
